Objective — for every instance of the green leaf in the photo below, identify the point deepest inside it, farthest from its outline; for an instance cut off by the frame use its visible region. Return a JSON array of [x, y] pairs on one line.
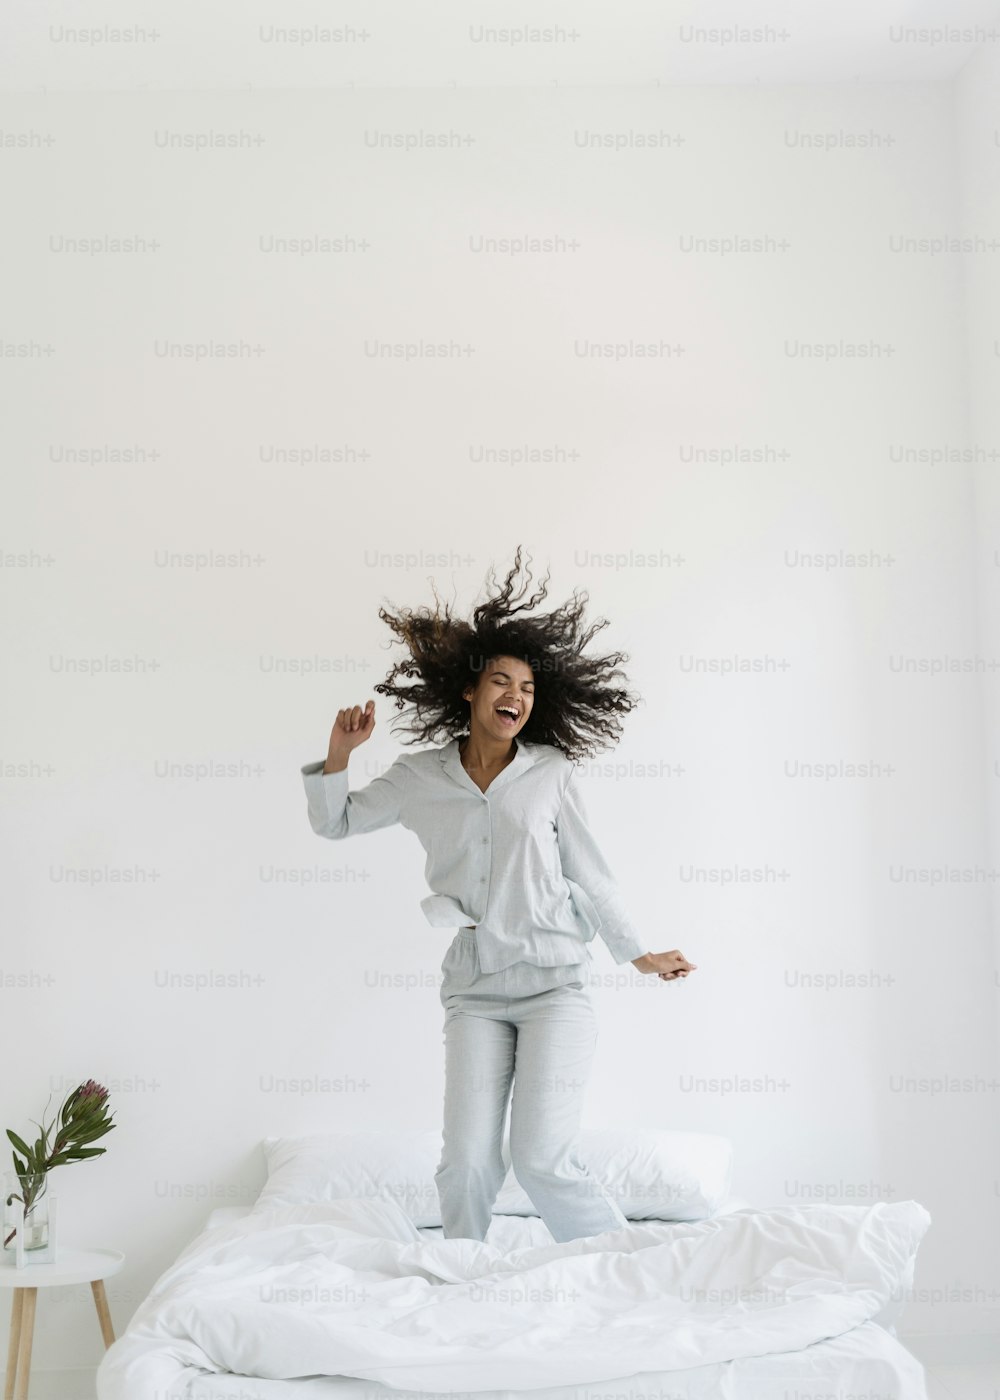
[[91, 1134], [79, 1152], [21, 1146]]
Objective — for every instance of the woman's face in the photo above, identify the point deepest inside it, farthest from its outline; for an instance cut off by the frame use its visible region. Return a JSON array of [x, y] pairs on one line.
[[504, 684]]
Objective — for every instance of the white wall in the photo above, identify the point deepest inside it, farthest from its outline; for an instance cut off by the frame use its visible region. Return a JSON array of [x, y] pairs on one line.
[[978, 148], [234, 882]]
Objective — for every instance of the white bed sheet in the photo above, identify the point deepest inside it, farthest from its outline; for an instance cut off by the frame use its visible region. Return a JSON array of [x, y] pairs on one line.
[[862, 1358]]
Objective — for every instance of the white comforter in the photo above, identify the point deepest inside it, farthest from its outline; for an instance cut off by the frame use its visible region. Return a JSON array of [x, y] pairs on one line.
[[352, 1288]]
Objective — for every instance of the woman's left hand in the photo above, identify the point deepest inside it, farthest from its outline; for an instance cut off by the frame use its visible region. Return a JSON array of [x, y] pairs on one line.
[[667, 966]]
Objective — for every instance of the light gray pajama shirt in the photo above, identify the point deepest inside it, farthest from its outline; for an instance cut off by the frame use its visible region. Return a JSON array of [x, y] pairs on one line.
[[518, 861]]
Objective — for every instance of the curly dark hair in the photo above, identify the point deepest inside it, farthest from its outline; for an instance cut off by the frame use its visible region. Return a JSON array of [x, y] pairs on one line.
[[576, 702]]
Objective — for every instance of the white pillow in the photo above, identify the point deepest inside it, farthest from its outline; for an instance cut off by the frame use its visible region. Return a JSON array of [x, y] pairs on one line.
[[652, 1174], [376, 1165]]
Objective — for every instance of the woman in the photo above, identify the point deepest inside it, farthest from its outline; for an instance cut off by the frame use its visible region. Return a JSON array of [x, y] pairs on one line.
[[511, 859]]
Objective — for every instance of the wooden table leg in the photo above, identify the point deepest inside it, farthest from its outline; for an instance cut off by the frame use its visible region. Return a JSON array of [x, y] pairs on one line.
[[16, 1304], [24, 1350], [103, 1311]]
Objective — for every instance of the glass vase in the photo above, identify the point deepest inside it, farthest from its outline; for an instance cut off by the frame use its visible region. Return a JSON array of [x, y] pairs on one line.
[[30, 1189]]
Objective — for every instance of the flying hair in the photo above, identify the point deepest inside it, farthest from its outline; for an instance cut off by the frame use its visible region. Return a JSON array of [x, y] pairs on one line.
[[577, 701]]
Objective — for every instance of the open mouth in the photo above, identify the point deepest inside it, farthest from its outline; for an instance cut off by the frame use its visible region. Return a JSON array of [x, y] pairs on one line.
[[507, 714]]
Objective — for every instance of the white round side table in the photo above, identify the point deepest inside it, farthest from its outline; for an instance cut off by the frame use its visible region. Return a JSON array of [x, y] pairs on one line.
[[91, 1266]]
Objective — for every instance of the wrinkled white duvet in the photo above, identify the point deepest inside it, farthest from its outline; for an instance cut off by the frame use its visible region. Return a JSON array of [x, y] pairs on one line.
[[352, 1288]]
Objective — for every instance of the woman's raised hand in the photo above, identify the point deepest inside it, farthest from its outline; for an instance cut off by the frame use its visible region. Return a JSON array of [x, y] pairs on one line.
[[351, 728]]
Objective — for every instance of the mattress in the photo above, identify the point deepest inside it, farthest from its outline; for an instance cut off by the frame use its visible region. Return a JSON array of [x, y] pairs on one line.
[[867, 1361], [862, 1359]]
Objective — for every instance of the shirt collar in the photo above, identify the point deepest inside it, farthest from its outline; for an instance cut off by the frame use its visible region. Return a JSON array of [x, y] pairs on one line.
[[451, 762]]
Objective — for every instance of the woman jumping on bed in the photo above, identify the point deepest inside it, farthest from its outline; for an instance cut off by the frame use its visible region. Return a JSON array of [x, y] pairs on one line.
[[510, 858]]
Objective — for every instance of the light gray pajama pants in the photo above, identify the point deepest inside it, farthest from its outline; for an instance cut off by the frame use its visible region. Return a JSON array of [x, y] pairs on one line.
[[536, 1026]]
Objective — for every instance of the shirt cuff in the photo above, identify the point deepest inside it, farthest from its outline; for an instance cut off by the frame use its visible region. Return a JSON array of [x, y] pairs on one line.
[[326, 792], [624, 947]]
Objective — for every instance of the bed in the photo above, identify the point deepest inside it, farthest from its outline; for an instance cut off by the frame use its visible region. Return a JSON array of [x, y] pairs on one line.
[[337, 1282]]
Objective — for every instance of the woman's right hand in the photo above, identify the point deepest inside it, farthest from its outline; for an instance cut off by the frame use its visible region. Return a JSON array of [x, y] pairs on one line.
[[351, 728]]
